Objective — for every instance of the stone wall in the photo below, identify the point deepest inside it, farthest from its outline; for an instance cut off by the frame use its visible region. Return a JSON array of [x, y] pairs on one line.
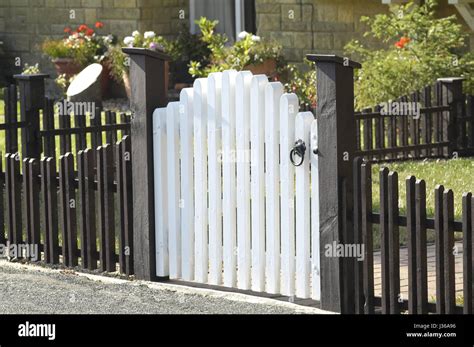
[[322, 26], [25, 24]]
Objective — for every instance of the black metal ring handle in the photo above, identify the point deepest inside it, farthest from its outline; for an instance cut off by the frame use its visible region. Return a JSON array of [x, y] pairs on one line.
[[299, 149]]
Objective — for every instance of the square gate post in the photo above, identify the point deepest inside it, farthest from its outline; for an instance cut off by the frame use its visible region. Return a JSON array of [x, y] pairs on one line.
[[147, 79], [336, 149], [32, 100], [452, 96]]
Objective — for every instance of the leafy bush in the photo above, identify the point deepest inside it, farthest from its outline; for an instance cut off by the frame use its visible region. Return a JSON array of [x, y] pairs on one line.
[[182, 50], [249, 50], [301, 83], [422, 49]]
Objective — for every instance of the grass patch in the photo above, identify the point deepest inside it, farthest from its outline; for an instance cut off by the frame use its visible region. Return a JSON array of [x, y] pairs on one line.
[[453, 174]]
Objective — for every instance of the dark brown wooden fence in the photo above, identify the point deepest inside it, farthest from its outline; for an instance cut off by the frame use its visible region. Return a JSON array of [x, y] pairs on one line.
[[81, 216], [445, 126], [388, 222], [52, 134], [56, 192]]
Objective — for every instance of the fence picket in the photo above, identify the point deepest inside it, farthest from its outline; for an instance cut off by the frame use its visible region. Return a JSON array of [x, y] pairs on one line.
[[11, 116], [32, 202], [214, 135], [14, 201], [288, 110], [273, 92], [174, 218], [228, 178], [87, 223], [200, 185], [439, 249], [426, 120], [2, 196], [50, 208], [421, 251], [367, 236], [303, 211], [384, 238], [68, 210], [161, 192], [242, 120], [315, 242], [411, 243], [186, 122], [468, 259], [257, 137], [358, 266], [393, 243], [49, 142], [449, 271]]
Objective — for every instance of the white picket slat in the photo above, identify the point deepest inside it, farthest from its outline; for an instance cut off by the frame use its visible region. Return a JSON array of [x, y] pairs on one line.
[[257, 137], [242, 120], [174, 216], [228, 183], [186, 117], [214, 129], [303, 211], [161, 192], [315, 252], [288, 109], [273, 92], [200, 179]]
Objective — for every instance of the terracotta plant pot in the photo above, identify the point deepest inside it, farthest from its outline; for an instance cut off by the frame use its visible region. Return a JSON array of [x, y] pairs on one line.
[[268, 67], [126, 83], [66, 66], [105, 78]]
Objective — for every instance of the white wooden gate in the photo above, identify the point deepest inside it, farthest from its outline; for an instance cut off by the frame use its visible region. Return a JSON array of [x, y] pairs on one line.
[[231, 208]]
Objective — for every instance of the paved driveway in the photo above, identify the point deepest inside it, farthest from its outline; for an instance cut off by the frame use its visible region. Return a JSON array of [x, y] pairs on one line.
[[32, 289]]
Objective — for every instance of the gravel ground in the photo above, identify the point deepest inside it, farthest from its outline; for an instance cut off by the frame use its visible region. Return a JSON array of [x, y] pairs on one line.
[[27, 289]]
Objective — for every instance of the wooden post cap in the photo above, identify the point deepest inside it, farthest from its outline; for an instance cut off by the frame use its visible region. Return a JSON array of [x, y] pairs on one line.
[[331, 58], [158, 54], [32, 77]]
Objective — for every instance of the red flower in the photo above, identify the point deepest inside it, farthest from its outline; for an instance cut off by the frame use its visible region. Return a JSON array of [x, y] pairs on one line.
[[89, 32], [82, 28], [402, 42], [67, 30], [99, 25]]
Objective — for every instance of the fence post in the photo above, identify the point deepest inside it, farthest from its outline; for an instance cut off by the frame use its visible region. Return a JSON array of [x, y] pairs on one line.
[[336, 148], [147, 77], [32, 99], [451, 96]]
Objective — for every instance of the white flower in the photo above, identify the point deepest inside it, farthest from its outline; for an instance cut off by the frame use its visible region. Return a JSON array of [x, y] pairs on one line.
[[128, 41], [256, 38], [243, 35], [149, 34], [136, 33], [109, 39]]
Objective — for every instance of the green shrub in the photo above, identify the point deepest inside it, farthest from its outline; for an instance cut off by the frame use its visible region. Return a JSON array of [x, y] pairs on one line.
[[421, 49], [249, 50]]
